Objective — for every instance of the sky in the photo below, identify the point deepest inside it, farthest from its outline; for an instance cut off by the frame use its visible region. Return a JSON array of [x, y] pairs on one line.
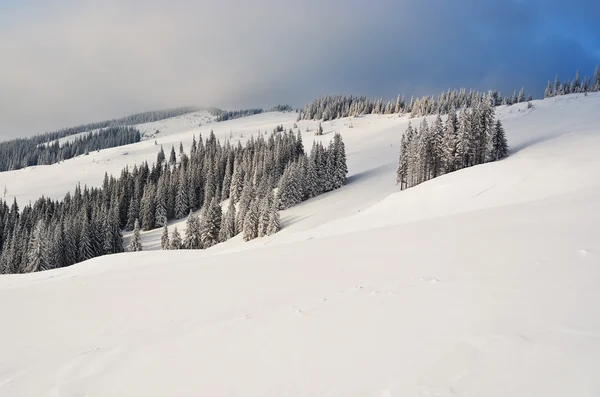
[[67, 62]]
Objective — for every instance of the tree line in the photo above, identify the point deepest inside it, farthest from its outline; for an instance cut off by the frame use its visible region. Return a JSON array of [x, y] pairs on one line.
[[574, 86], [44, 149], [224, 115], [337, 106], [473, 137], [21, 153], [89, 222]]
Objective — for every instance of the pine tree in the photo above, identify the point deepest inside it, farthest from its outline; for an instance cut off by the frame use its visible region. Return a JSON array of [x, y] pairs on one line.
[[319, 130], [499, 143], [557, 86], [132, 213], [164, 239], [211, 224], [274, 225], [228, 225], [148, 208], [192, 233], [251, 222], [182, 207], [237, 183], [596, 79], [548, 93], [136, 240], [449, 143], [176, 243], [341, 169], [264, 210], [37, 254], [464, 150], [521, 97], [172, 156], [576, 83], [160, 203], [160, 157], [85, 250]]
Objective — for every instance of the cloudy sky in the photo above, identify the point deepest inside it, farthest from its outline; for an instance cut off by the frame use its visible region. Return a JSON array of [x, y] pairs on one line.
[[66, 62]]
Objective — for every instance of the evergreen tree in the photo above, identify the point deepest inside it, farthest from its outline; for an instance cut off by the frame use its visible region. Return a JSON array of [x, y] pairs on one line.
[[172, 156], [596, 79], [237, 183], [192, 233], [182, 207], [136, 240], [86, 250], [176, 243], [164, 239], [160, 215], [274, 225], [148, 208], [499, 143], [211, 224], [228, 225], [251, 222], [449, 141], [548, 93], [37, 255]]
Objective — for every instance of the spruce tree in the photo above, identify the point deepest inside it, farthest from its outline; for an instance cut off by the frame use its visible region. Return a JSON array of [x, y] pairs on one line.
[[182, 207], [37, 254], [548, 93], [228, 225], [192, 233], [85, 250], [251, 222], [164, 239], [136, 240], [160, 215], [172, 156], [499, 143], [176, 243], [211, 224], [274, 223], [449, 143]]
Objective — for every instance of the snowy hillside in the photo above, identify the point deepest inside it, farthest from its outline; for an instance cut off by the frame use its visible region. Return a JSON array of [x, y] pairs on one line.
[[482, 282]]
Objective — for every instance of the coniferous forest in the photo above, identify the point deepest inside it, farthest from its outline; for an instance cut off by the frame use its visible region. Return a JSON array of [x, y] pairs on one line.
[[265, 175], [474, 137], [338, 106], [89, 222], [44, 149], [575, 86]]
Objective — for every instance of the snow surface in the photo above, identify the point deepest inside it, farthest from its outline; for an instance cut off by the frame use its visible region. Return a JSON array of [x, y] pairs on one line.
[[483, 282]]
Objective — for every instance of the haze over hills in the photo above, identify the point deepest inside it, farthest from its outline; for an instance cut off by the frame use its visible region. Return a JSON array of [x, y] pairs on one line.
[[477, 282]]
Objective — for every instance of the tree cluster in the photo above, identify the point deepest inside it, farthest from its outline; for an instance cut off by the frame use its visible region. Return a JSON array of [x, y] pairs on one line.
[[51, 234], [474, 137], [577, 85], [88, 223], [21, 153], [337, 106]]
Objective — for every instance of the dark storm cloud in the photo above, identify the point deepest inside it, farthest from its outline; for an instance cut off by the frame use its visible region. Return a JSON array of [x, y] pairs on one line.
[[67, 62]]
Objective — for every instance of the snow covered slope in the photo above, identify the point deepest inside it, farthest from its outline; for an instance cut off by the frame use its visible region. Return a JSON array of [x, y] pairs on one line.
[[483, 282]]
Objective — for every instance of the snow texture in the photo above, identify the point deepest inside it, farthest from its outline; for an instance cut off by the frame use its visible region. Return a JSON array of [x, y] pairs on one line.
[[482, 282]]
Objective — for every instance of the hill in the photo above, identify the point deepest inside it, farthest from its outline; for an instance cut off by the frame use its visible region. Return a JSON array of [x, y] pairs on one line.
[[479, 282]]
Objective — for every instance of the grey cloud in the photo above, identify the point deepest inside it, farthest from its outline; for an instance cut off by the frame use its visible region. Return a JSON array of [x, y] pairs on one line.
[[80, 61]]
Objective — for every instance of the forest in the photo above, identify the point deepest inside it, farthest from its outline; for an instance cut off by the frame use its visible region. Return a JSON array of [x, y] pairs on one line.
[[472, 138], [89, 222]]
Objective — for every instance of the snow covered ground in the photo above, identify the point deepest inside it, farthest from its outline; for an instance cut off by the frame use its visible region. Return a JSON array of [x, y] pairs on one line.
[[483, 282]]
